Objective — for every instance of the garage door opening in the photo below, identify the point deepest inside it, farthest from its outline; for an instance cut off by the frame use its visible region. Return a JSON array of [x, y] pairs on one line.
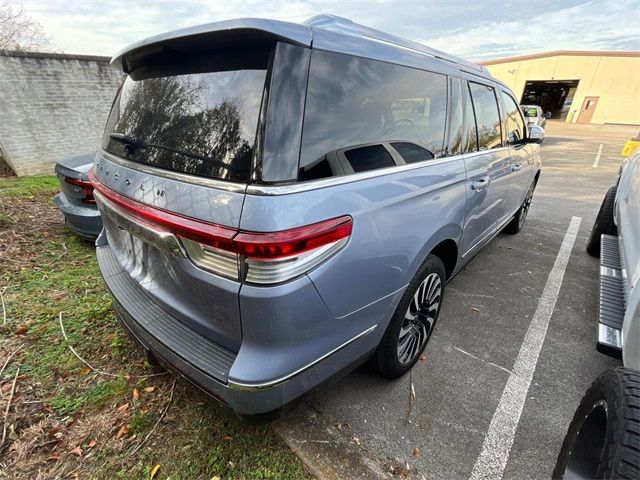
[[553, 96]]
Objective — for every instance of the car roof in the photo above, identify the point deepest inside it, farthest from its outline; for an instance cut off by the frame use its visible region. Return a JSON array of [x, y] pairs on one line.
[[323, 32]]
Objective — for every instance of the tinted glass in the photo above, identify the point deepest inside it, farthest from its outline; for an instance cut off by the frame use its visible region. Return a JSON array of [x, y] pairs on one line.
[[462, 126], [352, 101], [197, 123], [514, 123], [412, 153], [456, 126], [369, 158], [487, 116]]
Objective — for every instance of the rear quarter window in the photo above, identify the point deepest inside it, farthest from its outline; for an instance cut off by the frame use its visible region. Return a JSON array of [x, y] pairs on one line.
[[199, 120], [485, 106], [353, 101], [369, 158]]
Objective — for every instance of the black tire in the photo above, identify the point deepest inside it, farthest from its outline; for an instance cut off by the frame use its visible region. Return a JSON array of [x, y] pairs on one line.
[[516, 224], [604, 224], [387, 357], [603, 440]]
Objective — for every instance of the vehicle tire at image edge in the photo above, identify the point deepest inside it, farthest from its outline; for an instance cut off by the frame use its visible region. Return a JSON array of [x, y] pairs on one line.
[[413, 321], [604, 224], [603, 439]]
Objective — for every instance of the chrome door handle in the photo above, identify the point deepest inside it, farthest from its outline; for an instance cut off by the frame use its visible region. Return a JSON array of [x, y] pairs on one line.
[[479, 185], [516, 168]]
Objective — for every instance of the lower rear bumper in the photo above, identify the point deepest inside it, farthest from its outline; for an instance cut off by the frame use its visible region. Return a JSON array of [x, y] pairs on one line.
[[206, 364], [82, 220], [611, 303]]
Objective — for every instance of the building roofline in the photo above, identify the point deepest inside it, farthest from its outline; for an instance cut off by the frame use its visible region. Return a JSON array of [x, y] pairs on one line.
[[562, 53], [57, 56]]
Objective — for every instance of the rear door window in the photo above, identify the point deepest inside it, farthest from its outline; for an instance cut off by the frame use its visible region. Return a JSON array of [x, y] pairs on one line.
[[353, 101], [487, 116], [199, 117]]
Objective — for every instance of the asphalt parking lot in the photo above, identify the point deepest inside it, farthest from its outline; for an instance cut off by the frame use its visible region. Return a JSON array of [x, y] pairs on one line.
[[471, 383]]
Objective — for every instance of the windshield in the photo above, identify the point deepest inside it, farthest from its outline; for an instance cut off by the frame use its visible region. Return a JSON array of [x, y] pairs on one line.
[[197, 123]]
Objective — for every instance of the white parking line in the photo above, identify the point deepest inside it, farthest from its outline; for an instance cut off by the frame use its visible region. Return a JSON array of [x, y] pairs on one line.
[[499, 439], [595, 162]]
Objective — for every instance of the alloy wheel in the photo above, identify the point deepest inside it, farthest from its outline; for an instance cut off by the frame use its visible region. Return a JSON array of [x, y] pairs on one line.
[[419, 319]]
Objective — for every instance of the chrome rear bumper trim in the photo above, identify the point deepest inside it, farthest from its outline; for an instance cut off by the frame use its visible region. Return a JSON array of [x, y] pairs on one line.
[[273, 383]]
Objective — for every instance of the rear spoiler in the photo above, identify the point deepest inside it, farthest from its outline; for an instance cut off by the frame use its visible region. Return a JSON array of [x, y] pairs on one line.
[[245, 32]]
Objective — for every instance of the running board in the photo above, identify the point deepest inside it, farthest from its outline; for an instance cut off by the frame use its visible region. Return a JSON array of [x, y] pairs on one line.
[[611, 304]]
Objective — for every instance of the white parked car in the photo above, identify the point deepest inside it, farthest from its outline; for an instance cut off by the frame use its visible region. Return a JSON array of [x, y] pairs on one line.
[[603, 440]]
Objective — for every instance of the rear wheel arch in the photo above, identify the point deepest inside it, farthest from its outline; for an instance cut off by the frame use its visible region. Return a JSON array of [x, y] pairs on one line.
[[443, 244], [447, 252]]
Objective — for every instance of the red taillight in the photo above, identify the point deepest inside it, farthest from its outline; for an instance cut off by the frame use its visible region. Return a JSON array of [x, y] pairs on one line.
[[285, 243], [197, 230], [86, 186], [270, 256]]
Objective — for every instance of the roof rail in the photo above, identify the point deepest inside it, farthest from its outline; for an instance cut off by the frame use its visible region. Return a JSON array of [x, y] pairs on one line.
[[344, 25]]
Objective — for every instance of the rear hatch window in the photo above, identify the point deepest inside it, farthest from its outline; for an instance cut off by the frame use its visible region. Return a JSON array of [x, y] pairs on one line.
[[198, 116]]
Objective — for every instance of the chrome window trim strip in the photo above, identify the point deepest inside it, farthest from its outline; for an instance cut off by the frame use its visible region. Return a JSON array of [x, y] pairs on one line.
[[268, 190], [168, 174], [290, 188], [262, 386]]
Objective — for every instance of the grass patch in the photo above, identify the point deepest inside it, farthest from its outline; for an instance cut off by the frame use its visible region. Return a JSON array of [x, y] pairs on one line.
[[28, 186], [48, 270], [219, 445], [5, 220], [65, 280], [96, 397], [140, 423]]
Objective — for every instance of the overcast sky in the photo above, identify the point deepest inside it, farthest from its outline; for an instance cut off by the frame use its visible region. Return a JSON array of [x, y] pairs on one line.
[[474, 30]]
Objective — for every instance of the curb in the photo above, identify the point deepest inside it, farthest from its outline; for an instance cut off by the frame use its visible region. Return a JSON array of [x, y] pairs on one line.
[[323, 450]]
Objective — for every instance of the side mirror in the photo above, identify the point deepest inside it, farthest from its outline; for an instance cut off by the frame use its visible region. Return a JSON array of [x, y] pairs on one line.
[[536, 134], [547, 115]]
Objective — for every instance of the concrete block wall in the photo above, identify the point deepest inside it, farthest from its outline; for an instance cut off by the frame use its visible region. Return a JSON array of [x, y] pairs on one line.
[[51, 106]]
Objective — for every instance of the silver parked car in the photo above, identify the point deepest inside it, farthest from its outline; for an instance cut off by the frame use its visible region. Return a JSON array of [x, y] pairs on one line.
[[603, 440], [283, 202], [534, 115], [75, 200]]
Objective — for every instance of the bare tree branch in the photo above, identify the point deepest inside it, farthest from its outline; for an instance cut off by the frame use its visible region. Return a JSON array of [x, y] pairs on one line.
[[18, 31]]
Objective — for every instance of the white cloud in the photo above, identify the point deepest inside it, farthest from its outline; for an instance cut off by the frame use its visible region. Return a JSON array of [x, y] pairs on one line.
[[583, 27], [470, 29]]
